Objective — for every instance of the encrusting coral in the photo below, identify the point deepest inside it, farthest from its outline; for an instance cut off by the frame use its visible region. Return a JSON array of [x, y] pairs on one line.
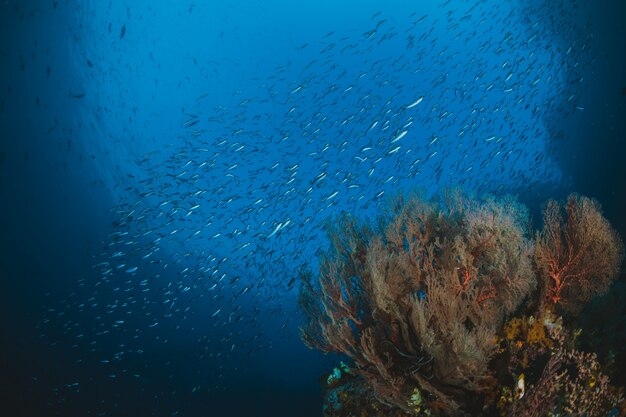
[[448, 307]]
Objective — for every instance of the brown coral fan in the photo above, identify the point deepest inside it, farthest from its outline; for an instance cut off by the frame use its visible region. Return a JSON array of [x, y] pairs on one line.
[[577, 252], [419, 301]]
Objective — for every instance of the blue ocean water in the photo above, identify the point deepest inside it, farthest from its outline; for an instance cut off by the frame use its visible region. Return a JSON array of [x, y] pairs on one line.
[[167, 169]]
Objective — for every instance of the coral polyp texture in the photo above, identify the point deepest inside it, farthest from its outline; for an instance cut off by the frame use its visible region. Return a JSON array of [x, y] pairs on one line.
[[453, 306]]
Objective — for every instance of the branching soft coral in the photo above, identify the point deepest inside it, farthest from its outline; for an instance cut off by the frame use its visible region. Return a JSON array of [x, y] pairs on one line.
[[417, 301], [571, 383], [427, 305], [577, 253]]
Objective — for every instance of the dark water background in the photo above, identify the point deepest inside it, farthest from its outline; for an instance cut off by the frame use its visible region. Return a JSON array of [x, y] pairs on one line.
[[66, 159]]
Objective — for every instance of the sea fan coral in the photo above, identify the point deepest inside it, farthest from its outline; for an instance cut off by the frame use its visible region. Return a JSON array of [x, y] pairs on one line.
[[425, 301], [577, 252]]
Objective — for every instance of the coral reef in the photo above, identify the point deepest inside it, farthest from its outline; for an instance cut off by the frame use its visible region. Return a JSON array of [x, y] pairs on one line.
[[449, 307], [579, 254]]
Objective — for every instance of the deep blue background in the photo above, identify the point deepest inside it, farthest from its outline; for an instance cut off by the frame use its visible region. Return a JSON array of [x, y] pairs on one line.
[[67, 159]]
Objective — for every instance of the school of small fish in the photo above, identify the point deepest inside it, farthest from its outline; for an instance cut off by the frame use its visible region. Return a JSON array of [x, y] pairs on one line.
[[207, 244]]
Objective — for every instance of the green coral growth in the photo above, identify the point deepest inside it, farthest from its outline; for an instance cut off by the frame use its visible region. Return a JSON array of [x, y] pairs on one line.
[[415, 402]]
